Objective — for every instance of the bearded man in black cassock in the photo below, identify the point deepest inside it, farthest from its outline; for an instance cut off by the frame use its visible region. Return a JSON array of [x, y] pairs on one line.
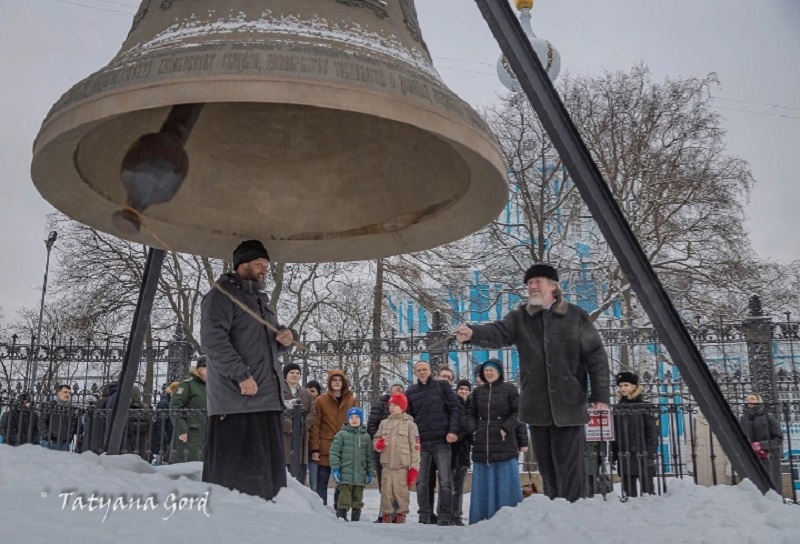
[[245, 380]]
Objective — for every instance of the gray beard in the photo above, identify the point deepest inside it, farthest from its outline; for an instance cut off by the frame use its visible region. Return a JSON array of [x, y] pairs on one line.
[[535, 301]]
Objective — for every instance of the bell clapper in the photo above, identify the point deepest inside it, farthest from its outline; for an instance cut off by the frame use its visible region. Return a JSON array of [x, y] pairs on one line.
[[155, 166]]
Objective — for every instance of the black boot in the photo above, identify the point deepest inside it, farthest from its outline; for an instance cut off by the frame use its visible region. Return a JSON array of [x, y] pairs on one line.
[[342, 513], [356, 515]]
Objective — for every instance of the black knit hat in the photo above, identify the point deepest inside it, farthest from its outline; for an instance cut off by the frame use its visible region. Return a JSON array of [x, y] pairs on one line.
[[541, 270], [628, 377], [249, 250], [464, 383], [288, 368], [202, 362], [316, 385]]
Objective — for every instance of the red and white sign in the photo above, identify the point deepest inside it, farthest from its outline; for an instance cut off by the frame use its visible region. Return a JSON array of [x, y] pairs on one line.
[[600, 427]]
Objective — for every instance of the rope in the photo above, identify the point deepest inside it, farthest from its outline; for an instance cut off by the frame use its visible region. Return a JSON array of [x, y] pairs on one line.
[[214, 285]]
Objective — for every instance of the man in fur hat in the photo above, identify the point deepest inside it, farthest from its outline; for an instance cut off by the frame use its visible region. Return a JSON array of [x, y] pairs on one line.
[[562, 362]]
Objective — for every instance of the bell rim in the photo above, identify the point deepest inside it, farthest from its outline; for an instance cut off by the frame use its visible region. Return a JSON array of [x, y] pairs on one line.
[[475, 146]]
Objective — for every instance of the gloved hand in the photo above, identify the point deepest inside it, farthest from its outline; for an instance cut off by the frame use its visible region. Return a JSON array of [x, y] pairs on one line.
[[380, 445], [759, 450], [337, 475], [412, 476], [369, 479]]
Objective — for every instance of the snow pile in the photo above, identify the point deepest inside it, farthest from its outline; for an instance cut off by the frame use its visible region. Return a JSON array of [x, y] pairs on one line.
[[54, 496]]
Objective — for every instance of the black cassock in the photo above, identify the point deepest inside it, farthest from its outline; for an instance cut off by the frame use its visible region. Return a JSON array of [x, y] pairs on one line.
[[245, 452]]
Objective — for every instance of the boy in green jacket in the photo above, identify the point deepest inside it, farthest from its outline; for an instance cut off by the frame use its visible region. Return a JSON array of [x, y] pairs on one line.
[[352, 464]]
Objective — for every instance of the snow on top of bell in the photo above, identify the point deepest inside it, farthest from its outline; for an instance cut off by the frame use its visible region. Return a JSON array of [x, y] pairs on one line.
[[548, 55]]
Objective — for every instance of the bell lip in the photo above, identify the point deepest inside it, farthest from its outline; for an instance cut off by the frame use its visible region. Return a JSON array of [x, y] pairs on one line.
[[477, 148]]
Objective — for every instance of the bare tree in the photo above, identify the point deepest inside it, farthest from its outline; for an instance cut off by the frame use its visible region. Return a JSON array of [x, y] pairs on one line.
[[661, 148]]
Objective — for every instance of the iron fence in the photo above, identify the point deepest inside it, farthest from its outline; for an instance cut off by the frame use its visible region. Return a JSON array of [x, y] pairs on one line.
[[684, 446]]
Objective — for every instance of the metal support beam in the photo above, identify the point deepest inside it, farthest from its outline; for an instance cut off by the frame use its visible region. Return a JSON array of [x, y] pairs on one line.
[[617, 232], [133, 355]]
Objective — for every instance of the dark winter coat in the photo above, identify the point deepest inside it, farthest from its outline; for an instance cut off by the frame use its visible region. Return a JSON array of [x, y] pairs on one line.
[[635, 445], [378, 413], [762, 427], [494, 407], [351, 453], [560, 354], [435, 409], [462, 448], [99, 419], [239, 347], [331, 416], [162, 426], [185, 407], [58, 423], [309, 415], [19, 425], [139, 419]]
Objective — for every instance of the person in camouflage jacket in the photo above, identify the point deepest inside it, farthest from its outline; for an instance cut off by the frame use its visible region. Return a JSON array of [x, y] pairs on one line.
[[189, 425], [397, 441]]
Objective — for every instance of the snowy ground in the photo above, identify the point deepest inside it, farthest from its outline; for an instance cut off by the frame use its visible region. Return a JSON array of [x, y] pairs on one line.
[[35, 507]]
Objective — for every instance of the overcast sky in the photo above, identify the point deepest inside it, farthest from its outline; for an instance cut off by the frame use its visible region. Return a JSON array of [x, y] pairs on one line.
[[754, 47]]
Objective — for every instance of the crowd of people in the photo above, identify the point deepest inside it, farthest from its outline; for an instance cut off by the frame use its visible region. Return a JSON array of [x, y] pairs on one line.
[[172, 431], [427, 434]]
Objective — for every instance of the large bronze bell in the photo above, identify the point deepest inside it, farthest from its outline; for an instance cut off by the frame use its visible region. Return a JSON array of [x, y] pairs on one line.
[[323, 130]]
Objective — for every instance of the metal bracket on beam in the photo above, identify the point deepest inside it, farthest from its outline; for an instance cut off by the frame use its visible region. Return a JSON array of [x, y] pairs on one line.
[[615, 228]]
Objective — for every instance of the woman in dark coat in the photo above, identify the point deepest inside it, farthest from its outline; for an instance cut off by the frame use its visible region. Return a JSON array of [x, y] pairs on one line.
[[19, 425], [635, 448], [763, 431], [492, 419]]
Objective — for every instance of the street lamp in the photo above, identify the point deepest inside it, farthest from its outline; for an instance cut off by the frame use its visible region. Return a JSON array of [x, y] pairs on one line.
[[51, 239]]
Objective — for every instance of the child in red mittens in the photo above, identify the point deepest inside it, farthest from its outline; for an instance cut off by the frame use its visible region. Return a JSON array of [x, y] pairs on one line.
[[397, 440]]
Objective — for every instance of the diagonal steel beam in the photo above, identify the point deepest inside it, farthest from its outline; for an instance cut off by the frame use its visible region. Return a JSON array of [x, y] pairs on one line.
[[133, 355], [604, 209]]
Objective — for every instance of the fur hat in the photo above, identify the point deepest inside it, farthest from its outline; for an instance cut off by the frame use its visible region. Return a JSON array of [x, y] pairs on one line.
[[628, 377], [247, 251], [288, 368], [541, 270], [355, 411], [464, 383], [400, 400]]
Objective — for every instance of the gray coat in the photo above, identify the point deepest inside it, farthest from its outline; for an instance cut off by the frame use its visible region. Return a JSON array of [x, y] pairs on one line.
[[239, 347], [560, 353], [310, 415]]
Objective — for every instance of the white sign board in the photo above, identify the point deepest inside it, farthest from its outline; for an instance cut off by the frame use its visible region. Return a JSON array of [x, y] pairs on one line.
[[600, 427]]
